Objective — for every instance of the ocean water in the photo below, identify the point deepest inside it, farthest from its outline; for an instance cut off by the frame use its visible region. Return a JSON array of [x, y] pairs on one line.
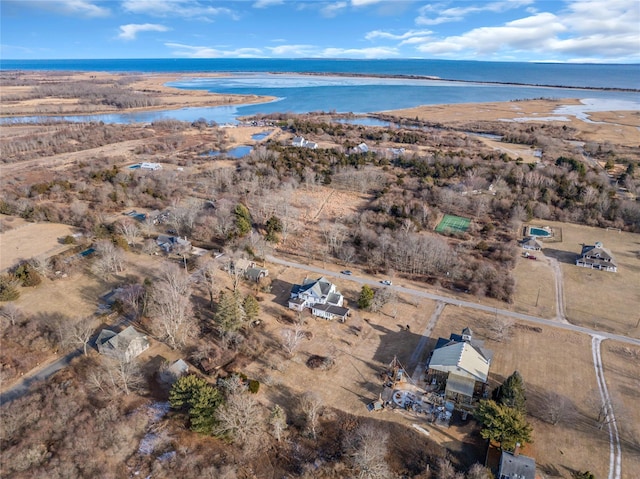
[[553, 74], [297, 92]]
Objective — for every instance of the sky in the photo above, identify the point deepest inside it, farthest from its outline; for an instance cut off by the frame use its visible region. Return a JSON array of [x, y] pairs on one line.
[[578, 31]]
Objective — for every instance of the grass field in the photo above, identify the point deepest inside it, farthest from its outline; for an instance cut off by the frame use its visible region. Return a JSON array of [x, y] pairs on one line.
[[599, 299], [453, 224]]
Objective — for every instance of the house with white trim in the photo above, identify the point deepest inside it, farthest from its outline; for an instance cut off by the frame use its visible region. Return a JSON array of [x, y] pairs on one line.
[[462, 364], [596, 257], [321, 297]]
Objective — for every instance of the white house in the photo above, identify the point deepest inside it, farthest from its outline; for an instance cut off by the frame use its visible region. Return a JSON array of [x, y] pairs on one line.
[[531, 243], [596, 257], [301, 142], [321, 296], [151, 166]]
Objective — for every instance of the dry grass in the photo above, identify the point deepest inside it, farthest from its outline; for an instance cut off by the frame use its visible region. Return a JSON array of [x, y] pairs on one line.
[[535, 292], [621, 371], [599, 299], [27, 240], [619, 127], [549, 361]]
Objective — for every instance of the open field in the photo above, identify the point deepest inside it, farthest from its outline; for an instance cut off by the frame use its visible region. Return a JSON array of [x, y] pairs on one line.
[[599, 299], [623, 380], [26, 240], [535, 287]]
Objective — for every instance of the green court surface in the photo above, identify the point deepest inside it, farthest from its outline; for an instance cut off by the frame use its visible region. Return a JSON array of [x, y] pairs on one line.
[[453, 224]]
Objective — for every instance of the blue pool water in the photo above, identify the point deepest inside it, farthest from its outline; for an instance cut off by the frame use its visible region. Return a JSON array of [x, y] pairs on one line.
[[538, 232]]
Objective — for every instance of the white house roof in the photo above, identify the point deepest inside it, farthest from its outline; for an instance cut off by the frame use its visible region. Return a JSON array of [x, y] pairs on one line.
[[460, 384], [462, 359]]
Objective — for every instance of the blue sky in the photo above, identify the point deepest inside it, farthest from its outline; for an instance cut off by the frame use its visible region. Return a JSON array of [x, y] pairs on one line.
[[606, 31]]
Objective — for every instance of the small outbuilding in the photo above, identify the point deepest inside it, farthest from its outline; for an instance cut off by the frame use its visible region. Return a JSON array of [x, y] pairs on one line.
[[531, 243]]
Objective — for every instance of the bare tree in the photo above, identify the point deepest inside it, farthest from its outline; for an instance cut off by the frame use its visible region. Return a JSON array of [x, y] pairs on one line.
[[311, 405], [291, 339], [478, 471], [116, 375], [110, 258], [207, 276], [240, 418], [11, 313], [132, 296], [129, 229], [41, 264], [171, 306], [278, 422], [368, 450], [75, 334], [149, 246], [381, 297], [553, 407], [501, 328]]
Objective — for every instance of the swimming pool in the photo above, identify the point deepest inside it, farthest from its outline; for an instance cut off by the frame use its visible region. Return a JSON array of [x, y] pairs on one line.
[[533, 231]]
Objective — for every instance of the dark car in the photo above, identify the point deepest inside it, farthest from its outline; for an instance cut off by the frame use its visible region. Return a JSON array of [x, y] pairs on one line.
[[347, 272]]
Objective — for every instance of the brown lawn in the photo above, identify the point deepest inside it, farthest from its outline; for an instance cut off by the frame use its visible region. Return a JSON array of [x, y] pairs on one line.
[[26, 240], [535, 292]]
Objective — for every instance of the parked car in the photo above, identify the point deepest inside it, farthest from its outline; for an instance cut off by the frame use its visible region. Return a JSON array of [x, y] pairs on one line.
[[347, 272], [386, 282]]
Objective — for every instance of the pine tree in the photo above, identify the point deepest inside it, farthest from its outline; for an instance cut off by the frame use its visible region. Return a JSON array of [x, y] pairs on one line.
[[251, 307], [503, 424], [366, 297], [197, 398], [511, 393], [230, 314]]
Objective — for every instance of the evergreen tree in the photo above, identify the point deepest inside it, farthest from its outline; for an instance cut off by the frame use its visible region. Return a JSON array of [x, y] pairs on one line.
[[251, 307], [243, 219], [230, 314], [511, 393], [503, 424], [366, 297], [197, 398], [273, 227]]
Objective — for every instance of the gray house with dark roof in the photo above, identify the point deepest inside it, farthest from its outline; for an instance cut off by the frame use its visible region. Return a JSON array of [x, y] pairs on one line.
[[126, 344], [531, 243], [514, 465], [596, 257]]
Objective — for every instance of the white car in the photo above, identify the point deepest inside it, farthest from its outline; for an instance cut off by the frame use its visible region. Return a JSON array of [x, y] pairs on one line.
[[386, 282]]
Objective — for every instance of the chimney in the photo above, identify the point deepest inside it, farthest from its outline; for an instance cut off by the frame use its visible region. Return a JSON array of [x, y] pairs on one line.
[[516, 451]]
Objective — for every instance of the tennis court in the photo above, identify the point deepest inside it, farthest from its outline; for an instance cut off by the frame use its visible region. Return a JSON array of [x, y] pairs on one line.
[[453, 224]]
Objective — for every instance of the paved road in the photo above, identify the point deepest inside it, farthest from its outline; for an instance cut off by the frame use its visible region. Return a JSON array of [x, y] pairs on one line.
[[22, 387], [462, 303]]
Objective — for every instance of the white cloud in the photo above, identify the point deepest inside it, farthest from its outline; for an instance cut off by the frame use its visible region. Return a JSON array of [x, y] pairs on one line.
[[391, 36], [372, 52], [360, 3], [70, 7], [585, 29], [435, 14], [267, 3], [333, 9], [194, 51], [292, 50], [130, 31], [175, 8]]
